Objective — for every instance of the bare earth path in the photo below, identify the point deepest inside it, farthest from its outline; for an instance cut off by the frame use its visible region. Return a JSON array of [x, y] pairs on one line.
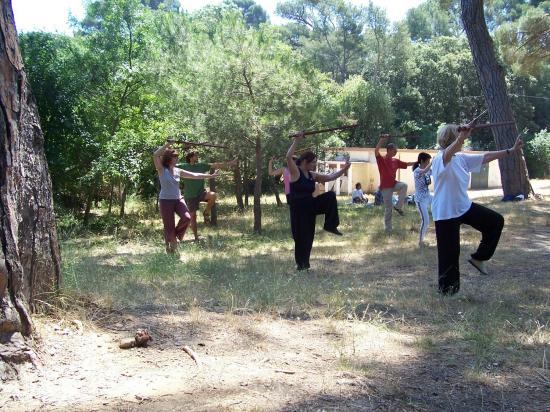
[[385, 356]]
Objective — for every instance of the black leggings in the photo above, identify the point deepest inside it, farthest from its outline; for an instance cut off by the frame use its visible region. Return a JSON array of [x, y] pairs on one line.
[[303, 213], [447, 232]]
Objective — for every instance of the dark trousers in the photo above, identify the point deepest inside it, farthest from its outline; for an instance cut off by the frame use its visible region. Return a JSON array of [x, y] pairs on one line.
[[303, 213], [167, 209], [447, 232]]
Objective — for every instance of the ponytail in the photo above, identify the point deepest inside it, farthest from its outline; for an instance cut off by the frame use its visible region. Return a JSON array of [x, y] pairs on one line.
[[415, 166]]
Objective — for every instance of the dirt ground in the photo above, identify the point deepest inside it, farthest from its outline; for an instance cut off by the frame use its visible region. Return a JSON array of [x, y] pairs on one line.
[[253, 361]]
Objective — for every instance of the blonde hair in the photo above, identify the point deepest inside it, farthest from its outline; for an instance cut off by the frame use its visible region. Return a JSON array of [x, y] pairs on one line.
[[446, 135]]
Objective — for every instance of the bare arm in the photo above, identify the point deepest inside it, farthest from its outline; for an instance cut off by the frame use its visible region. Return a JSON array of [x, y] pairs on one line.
[[274, 172], [322, 178], [157, 156], [383, 139], [456, 146], [423, 171], [291, 164], [197, 176], [499, 154]]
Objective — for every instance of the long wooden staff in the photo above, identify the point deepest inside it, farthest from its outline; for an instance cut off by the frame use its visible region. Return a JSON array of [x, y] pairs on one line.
[[332, 129], [485, 125], [187, 143]]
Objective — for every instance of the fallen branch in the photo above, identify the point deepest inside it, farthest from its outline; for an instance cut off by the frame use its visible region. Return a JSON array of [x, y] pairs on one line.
[[285, 371], [192, 354]]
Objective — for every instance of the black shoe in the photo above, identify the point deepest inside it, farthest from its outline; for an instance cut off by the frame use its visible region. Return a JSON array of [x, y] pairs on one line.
[[399, 211], [335, 232]]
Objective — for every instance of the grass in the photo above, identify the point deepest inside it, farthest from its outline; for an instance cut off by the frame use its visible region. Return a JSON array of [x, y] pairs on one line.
[[365, 277]]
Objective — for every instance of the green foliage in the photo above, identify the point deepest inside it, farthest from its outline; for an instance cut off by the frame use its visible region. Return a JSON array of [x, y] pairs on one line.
[[368, 105], [525, 41], [538, 155], [139, 71]]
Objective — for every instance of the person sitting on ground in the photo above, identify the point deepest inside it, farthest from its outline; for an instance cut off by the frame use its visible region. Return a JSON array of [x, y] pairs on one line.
[[451, 206], [422, 197], [387, 167], [304, 208], [357, 196], [170, 200], [194, 191]]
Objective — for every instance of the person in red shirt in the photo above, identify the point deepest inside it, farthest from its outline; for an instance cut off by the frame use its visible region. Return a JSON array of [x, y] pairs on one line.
[[387, 167]]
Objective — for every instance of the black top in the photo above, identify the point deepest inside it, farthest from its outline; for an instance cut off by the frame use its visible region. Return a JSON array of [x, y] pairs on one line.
[[303, 187]]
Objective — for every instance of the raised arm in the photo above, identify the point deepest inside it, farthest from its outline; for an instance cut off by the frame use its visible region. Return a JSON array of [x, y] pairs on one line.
[[383, 139], [499, 154], [274, 172], [426, 169], [322, 178], [197, 176], [157, 155], [456, 146], [291, 164]]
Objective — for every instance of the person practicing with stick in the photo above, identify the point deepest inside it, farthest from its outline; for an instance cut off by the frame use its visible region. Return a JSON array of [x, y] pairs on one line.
[[422, 197], [170, 200], [194, 191], [357, 195], [304, 208], [387, 167], [281, 171], [451, 206]]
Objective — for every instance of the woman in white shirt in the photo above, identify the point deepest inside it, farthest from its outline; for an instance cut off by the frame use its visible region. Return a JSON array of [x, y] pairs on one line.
[[451, 206]]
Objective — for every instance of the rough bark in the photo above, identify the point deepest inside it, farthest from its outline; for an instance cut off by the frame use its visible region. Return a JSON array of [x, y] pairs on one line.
[[29, 258], [237, 176], [214, 211], [490, 72], [258, 188]]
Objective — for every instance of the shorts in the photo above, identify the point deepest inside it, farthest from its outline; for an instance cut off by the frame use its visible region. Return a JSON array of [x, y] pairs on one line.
[[194, 202]]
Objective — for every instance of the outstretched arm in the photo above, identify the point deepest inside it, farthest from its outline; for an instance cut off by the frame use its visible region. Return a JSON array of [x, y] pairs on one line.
[[157, 155], [322, 178], [274, 172], [291, 164], [197, 176], [490, 156], [383, 139]]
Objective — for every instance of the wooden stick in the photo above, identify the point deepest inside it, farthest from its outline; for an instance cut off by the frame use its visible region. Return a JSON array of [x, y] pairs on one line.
[[332, 129], [204, 144], [192, 354], [485, 125]]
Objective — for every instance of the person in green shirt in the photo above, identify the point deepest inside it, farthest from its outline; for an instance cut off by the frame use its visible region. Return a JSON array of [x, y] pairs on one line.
[[194, 190]]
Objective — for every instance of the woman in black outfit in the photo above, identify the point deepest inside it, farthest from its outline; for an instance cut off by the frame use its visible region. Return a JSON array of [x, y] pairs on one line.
[[304, 208]]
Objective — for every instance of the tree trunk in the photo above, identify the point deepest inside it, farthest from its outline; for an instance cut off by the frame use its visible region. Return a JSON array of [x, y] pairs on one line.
[[214, 211], [237, 176], [258, 188], [88, 207], [29, 257], [111, 195], [123, 201], [277, 197], [246, 184], [513, 169]]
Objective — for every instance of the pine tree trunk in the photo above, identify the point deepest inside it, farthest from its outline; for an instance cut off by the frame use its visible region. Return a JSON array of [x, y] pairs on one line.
[[214, 211], [29, 257], [513, 169], [237, 176], [123, 195], [258, 188]]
